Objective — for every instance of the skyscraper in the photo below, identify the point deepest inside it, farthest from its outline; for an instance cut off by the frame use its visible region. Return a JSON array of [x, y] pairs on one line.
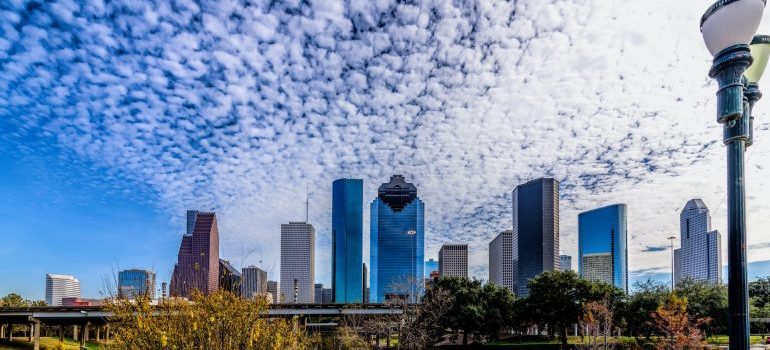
[[347, 240], [535, 231], [297, 263], [453, 260], [272, 288], [565, 263], [396, 241], [318, 292], [501, 268], [229, 277], [197, 266], [253, 282], [136, 283], [700, 255], [431, 265], [58, 287], [602, 237]]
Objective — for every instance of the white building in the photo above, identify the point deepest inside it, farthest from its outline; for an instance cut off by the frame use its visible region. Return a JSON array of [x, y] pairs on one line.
[[501, 267], [297, 263], [60, 286], [565, 263], [597, 267], [253, 282], [453, 260], [700, 255]]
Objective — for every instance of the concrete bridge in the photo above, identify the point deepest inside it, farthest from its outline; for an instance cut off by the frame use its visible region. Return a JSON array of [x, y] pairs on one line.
[[87, 321]]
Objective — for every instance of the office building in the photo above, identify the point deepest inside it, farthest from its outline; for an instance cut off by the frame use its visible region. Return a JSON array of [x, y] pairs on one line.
[[364, 285], [501, 268], [318, 292], [273, 290], [453, 260], [397, 242], [135, 283], [347, 240], [535, 231], [197, 266], [58, 287], [229, 277], [430, 266], [565, 263], [700, 254], [297, 263], [253, 282], [326, 296], [602, 235]]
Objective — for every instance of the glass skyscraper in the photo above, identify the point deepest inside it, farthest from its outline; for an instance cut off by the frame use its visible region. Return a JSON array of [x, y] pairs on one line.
[[535, 236], [135, 283], [347, 240], [397, 241], [602, 248]]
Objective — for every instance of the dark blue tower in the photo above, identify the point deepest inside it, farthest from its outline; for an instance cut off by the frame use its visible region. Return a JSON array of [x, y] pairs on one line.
[[347, 240], [603, 231]]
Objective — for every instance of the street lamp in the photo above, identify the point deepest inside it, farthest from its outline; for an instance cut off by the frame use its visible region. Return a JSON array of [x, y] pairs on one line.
[[673, 262], [728, 27], [760, 50]]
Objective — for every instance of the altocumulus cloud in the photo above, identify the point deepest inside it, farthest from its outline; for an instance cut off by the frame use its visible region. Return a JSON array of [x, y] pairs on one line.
[[239, 105]]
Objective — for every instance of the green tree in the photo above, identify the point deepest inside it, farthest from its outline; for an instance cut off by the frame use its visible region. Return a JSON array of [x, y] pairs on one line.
[[648, 297], [707, 302], [498, 307], [556, 298], [15, 300], [465, 314], [759, 291]]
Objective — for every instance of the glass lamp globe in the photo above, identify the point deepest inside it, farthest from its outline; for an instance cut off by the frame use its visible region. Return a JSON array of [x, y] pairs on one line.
[[730, 22], [760, 51]]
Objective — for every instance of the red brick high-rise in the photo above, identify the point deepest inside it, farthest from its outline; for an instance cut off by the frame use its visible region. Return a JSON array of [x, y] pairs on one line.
[[197, 266]]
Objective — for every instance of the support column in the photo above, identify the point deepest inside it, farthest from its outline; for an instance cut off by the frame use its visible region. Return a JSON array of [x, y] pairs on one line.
[[61, 333], [31, 333], [108, 333], [83, 336], [10, 331], [75, 332], [98, 333], [36, 331], [2, 331]]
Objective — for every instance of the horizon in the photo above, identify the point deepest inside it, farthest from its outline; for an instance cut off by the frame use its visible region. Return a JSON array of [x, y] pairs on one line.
[[115, 119]]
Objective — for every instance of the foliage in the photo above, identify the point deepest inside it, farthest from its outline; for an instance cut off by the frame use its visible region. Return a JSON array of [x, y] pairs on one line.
[[220, 321], [648, 297], [706, 301], [759, 291], [499, 311], [674, 322], [597, 321], [15, 300]]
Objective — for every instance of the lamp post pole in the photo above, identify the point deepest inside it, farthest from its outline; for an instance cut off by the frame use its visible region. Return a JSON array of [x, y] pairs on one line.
[[673, 262]]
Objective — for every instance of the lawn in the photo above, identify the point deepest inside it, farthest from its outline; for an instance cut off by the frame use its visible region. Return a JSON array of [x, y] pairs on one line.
[[47, 343]]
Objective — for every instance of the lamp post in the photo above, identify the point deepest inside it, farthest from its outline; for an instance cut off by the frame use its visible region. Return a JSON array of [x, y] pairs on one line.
[[673, 262], [728, 27]]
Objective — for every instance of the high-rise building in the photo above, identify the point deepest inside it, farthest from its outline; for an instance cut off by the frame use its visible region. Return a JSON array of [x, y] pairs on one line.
[[135, 283], [58, 287], [229, 277], [318, 291], [535, 231], [364, 285], [453, 260], [501, 269], [347, 240], [602, 235], [565, 263], [430, 266], [326, 296], [677, 266], [397, 242], [197, 266], [253, 282], [272, 288], [700, 255], [297, 263]]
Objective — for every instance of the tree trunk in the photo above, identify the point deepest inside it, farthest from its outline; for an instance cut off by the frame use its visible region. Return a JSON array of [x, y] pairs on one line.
[[465, 337], [563, 331]]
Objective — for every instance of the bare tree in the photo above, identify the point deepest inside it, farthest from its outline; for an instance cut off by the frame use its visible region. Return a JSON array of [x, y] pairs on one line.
[[596, 321]]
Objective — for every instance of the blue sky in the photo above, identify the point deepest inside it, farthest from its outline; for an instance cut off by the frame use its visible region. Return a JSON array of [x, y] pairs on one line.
[[117, 117]]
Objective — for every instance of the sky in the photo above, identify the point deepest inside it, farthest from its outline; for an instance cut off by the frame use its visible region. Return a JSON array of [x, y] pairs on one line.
[[117, 117]]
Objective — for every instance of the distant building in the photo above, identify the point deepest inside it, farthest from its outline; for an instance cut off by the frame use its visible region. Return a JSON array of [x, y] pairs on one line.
[[677, 266], [75, 302], [297, 263], [397, 241], [701, 247], [135, 283], [364, 285], [430, 266], [453, 260], [602, 234], [253, 282], [565, 263], [197, 266], [318, 291], [535, 231], [347, 240], [229, 277], [326, 296], [58, 287], [272, 288], [501, 269]]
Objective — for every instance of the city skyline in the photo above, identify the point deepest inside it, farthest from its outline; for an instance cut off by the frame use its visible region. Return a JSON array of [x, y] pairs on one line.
[[99, 174]]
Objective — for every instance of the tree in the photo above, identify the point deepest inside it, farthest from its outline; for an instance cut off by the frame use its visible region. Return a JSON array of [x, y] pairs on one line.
[[498, 307], [648, 297], [705, 301], [556, 298], [674, 322], [759, 291], [15, 300], [597, 320], [465, 314]]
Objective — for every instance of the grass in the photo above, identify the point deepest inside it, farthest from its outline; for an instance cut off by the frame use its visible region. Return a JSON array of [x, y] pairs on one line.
[[47, 343]]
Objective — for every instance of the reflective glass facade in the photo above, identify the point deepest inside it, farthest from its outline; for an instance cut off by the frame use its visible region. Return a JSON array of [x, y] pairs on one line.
[[535, 231], [397, 257], [135, 283], [603, 232], [347, 240], [430, 266]]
